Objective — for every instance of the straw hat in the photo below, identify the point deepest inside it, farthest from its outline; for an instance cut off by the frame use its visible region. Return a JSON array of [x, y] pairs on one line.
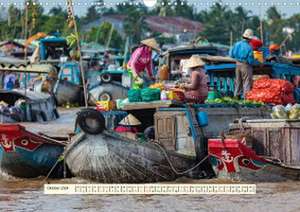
[[195, 61], [151, 42], [130, 120], [248, 34]]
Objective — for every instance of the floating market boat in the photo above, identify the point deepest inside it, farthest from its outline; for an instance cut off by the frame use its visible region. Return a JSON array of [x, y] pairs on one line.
[[26, 106], [262, 150], [26, 154], [107, 157]]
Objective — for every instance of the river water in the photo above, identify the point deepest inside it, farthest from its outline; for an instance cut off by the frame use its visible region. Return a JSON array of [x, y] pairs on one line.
[[27, 195]]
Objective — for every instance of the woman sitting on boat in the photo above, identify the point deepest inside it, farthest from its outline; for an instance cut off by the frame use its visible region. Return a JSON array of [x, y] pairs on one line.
[[197, 89], [141, 59]]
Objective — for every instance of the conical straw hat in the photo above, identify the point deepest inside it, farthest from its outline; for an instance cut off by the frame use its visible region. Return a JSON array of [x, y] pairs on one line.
[[130, 120], [151, 42], [248, 34], [195, 61]]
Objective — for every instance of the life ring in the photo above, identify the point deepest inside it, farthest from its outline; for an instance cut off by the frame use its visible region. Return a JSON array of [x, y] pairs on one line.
[[105, 96], [106, 78], [91, 121]]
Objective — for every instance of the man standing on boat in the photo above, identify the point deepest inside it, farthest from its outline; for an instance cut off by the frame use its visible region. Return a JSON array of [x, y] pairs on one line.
[[141, 60], [242, 52]]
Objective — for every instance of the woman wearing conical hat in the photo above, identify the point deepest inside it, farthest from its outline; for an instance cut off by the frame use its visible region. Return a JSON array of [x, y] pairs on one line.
[[141, 60], [129, 125], [197, 89]]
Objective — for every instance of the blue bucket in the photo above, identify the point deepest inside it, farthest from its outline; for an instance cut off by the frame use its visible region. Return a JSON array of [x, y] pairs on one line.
[[202, 119]]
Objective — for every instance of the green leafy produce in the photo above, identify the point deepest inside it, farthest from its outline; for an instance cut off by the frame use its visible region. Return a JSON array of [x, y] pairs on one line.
[[233, 101]]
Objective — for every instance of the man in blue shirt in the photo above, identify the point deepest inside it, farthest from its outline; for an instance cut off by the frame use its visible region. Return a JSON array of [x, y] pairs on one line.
[[242, 52], [9, 81]]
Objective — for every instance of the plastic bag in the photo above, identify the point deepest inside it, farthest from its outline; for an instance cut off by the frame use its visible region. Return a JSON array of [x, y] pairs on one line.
[[274, 91], [279, 112]]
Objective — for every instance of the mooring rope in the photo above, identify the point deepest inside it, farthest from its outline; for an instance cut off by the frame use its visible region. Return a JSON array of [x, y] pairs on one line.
[[60, 158], [172, 166]]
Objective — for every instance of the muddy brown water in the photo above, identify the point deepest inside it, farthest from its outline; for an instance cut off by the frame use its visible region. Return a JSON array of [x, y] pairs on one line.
[[27, 195]]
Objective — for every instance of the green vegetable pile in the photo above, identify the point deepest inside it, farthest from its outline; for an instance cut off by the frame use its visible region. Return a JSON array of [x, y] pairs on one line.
[[233, 101]]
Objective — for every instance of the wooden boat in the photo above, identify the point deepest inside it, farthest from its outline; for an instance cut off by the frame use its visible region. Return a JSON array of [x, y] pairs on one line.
[[67, 92], [38, 106], [107, 157], [268, 150], [26, 154], [232, 159]]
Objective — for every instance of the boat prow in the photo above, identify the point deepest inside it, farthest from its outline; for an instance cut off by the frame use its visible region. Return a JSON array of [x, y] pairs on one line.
[[233, 159], [26, 154]]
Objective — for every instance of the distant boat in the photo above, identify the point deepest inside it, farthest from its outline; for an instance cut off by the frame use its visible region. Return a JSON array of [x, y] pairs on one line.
[[26, 154], [38, 106]]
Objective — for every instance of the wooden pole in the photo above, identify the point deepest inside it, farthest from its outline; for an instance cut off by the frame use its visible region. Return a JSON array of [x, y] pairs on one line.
[[80, 58], [25, 37], [109, 36], [231, 38], [261, 26]]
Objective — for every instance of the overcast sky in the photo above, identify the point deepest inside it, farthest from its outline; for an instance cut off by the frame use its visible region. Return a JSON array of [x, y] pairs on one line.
[[287, 7]]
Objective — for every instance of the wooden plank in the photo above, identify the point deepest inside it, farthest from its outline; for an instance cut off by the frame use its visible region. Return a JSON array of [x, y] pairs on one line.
[[147, 105]]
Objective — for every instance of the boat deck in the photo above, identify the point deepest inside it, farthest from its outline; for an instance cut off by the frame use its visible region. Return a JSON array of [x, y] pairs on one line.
[[61, 127]]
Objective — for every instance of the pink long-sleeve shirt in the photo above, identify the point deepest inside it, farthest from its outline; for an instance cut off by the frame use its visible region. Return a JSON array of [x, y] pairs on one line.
[[141, 59]]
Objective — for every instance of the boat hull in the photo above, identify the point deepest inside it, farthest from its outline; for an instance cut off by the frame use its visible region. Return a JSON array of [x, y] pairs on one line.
[[67, 92], [26, 164], [109, 159], [27, 155], [232, 159]]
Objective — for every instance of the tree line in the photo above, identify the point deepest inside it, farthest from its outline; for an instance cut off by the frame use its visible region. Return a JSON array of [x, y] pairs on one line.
[[221, 24]]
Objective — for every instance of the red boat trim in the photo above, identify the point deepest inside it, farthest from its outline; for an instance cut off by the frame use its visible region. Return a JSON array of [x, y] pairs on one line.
[[15, 135]]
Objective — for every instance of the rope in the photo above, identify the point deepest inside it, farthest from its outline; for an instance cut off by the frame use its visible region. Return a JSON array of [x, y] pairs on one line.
[[60, 158], [172, 166]]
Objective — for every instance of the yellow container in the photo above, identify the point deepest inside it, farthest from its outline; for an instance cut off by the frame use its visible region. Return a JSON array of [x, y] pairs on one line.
[[171, 95], [258, 56], [105, 105], [175, 95]]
